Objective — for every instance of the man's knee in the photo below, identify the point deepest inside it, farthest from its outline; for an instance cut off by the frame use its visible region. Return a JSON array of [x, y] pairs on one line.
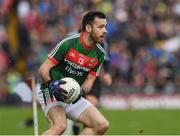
[[102, 127], [58, 128]]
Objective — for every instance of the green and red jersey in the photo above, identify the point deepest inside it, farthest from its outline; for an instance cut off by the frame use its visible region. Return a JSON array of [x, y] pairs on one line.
[[73, 58]]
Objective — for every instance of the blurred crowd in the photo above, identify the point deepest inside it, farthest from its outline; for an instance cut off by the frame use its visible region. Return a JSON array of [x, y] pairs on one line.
[[143, 36]]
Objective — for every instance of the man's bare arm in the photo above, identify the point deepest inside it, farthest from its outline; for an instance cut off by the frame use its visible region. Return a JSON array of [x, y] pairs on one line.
[[45, 68], [88, 83]]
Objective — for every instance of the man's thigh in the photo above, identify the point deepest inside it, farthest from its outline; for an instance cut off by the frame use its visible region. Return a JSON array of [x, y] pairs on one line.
[[73, 111], [91, 117], [56, 115]]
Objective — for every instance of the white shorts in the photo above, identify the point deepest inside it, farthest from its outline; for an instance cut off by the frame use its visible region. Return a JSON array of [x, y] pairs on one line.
[[73, 111]]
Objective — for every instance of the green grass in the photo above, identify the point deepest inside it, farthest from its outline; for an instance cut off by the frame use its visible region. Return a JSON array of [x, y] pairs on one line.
[[125, 122], [151, 122]]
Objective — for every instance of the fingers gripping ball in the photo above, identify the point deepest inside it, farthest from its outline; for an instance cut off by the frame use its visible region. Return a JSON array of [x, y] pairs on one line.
[[73, 89]]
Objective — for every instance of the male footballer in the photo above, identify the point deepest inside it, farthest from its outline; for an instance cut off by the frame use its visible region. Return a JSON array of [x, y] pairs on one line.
[[80, 57]]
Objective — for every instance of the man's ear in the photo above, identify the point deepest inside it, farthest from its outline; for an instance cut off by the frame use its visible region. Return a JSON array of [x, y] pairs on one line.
[[88, 28]]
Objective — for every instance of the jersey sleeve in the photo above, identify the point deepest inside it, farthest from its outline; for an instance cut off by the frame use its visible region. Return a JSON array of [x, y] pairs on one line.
[[95, 71], [58, 53]]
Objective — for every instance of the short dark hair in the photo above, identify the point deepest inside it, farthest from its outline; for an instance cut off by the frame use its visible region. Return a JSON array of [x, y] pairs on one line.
[[89, 17]]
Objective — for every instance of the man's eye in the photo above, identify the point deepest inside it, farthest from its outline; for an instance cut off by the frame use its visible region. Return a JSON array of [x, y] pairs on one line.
[[101, 27]]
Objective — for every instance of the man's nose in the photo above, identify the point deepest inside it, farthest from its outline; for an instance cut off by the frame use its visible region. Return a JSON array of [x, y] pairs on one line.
[[105, 30]]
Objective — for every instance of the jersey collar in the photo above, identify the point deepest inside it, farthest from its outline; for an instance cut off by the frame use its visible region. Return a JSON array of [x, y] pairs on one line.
[[83, 43]]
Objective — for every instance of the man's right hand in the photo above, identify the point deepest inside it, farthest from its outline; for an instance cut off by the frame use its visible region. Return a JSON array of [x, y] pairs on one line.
[[59, 93]]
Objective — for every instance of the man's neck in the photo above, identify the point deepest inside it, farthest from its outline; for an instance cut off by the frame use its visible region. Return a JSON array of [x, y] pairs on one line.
[[87, 40]]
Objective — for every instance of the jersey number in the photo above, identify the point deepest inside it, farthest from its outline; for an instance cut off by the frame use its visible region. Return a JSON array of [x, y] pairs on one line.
[[81, 61]]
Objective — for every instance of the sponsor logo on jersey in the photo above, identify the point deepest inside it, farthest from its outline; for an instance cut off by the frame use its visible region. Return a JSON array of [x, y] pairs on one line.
[[72, 54], [80, 59], [76, 66]]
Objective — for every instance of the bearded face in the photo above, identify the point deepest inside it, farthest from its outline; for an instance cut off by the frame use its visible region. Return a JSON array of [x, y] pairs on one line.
[[94, 37], [98, 31]]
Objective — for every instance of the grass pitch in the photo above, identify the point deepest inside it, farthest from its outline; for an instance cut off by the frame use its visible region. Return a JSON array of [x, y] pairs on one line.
[[122, 122]]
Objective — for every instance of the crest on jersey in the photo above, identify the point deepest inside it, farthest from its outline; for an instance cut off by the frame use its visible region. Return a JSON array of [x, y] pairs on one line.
[[91, 62]]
